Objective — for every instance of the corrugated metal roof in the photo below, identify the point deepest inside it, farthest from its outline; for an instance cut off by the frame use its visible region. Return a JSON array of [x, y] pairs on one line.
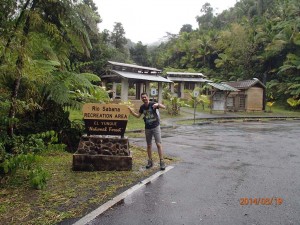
[[134, 66], [141, 76], [186, 74], [223, 87], [189, 79], [245, 84]]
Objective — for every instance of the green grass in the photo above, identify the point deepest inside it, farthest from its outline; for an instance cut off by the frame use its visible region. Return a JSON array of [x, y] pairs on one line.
[[276, 110], [68, 194], [135, 123], [281, 110], [202, 109]]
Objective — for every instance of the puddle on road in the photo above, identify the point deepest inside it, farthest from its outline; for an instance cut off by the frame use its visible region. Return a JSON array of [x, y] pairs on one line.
[[166, 135]]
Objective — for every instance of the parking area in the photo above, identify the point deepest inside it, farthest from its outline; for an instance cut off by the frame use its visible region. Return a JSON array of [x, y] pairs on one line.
[[229, 173]]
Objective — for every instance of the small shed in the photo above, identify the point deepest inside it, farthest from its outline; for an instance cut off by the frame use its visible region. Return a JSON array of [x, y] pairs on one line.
[[250, 96], [134, 75], [219, 96], [185, 81]]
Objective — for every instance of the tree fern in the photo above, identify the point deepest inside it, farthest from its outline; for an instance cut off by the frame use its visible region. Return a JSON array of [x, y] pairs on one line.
[[38, 45], [57, 91], [91, 77]]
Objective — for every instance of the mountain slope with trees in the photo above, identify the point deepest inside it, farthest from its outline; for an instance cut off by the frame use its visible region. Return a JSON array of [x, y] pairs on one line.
[[255, 38]]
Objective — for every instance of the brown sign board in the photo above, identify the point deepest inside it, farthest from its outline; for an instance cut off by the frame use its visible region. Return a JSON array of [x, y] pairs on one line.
[[105, 119]]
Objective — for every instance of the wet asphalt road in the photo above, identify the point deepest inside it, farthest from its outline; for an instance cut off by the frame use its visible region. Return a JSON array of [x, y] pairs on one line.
[[222, 165]]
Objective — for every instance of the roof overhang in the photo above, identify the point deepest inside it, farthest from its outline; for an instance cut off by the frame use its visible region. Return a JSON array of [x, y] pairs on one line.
[[183, 74], [188, 79], [223, 87], [246, 84], [137, 76], [135, 67]]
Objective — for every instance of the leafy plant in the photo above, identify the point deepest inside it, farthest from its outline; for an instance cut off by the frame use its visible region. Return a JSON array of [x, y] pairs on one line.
[[199, 99], [38, 178], [293, 102], [173, 105], [131, 92], [29, 164], [270, 104], [33, 143], [21, 161]]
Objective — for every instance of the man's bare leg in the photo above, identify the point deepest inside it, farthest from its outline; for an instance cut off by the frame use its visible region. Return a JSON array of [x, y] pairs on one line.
[[149, 152], [160, 151]]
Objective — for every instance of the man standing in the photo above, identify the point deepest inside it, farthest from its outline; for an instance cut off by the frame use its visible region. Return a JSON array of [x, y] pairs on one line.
[[152, 127]]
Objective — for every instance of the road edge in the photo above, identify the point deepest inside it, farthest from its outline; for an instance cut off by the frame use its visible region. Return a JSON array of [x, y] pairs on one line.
[[101, 209]]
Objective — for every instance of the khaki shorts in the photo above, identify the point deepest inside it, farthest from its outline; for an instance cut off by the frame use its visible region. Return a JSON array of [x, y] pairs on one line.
[[154, 132]]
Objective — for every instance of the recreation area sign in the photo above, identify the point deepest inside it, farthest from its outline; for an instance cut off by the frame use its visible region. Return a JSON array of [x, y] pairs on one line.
[[105, 119]]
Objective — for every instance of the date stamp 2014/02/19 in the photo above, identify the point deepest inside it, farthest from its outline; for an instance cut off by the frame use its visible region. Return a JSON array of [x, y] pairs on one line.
[[261, 201]]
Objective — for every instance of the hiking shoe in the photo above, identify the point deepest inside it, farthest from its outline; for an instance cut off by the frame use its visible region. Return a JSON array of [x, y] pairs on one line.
[[162, 165], [150, 164]]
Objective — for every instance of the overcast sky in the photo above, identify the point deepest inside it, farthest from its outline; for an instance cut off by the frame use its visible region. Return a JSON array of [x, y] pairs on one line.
[[149, 20]]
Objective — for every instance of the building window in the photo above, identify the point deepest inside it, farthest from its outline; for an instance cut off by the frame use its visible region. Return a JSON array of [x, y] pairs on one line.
[[242, 102]]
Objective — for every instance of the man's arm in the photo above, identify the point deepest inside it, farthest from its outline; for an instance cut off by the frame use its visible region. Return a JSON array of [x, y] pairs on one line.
[[137, 115], [158, 106]]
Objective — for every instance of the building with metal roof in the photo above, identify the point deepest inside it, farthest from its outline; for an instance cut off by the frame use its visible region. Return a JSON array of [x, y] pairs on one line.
[[133, 75], [185, 81], [223, 87], [246, 95], [246, 84], [219, 96], [250, 96]]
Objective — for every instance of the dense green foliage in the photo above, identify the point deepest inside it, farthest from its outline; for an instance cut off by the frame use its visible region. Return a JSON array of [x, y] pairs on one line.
[[255, 38], [44, 47]]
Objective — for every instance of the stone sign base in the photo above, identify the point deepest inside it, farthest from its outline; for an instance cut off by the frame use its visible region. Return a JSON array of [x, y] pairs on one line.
[[97, 152], [84, 162]]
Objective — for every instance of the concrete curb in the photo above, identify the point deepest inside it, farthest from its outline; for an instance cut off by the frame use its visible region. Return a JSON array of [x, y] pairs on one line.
[[92, 215]]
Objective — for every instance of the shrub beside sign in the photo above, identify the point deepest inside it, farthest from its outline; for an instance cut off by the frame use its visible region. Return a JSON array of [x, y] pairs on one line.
[[105, 119]]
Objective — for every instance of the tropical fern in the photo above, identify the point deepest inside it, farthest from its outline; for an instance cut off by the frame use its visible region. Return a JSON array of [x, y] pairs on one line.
[[91, 77], [72, 89]]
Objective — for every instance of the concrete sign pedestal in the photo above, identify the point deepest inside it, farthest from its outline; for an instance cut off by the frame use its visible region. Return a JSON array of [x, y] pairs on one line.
[[97, 153]]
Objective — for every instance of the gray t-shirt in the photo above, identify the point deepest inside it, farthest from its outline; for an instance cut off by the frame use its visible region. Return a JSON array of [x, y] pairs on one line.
[[151, 115]]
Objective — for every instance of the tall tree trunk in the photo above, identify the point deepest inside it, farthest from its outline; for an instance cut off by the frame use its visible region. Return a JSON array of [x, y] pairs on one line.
[[20, 67], [16, 87], [18, 22]]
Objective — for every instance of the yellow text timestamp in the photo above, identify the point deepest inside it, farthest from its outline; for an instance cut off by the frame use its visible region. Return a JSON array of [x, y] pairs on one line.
[[261, 201]]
